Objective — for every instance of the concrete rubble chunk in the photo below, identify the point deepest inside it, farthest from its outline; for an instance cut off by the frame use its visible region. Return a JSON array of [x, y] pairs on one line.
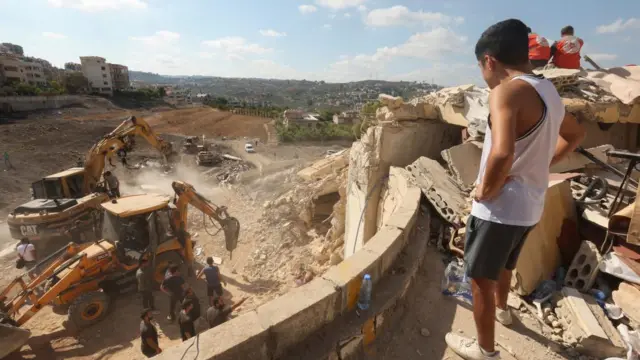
[[541, 254], [441, 191], [584, 268], [392, 102], [575, 161], [463, 162], [326, 166], [405, 112], [627, 297], [587, 330]]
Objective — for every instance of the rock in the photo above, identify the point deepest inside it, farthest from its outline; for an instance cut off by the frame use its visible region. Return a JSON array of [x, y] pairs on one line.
[[392, 102], [514, 301], [558, 331], [425, 332], [556, 324], [322, 258], [263, 257], [556, 338], [308, 276], [335, 259]]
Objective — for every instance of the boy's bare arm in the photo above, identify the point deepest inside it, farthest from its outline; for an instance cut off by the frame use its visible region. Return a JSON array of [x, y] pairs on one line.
[[571, 135]]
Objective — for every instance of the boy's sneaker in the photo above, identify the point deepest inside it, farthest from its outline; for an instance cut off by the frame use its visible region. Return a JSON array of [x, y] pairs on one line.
[[469, 349], [504, 316]]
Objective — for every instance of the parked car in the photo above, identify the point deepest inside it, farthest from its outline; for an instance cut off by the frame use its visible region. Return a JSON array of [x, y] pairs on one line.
[[249, 148]]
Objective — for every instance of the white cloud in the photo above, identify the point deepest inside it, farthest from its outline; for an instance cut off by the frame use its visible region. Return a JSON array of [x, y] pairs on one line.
[[236, 45], [347, 15], [52, 35], [326, 26], [340, 4], [272, 33], [431, 45], [99, 5], [618, 26], [362, 8], [307, 9], [401, 16], [603, 57], [160, 38]]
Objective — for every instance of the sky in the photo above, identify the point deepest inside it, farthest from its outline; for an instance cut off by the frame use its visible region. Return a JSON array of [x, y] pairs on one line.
[[331, 40]]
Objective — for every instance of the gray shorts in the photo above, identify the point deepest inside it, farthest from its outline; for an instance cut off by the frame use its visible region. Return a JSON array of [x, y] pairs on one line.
[[490, 247]]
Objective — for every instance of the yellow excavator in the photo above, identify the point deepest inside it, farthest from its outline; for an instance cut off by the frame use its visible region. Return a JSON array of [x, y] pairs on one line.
[[84, 278], [73, 196]]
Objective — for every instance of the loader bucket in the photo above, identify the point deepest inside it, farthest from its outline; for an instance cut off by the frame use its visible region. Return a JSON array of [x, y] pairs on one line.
[[231, 233], [11, 339]]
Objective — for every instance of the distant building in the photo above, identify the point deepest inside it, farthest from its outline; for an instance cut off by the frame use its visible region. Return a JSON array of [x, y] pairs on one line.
[[119, 76], [13, 69], [177, 97], [300, 118], [97, 71], [347, 117]]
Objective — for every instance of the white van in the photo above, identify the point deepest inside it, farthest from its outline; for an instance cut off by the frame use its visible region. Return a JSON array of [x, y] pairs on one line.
[[249, 148]]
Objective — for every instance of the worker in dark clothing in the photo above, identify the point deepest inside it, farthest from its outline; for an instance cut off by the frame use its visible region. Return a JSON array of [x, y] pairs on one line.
[[190, 295], [174, 287], [539, 50], [186, 319], [148, 335], [219, 313], [145, 284], [214, 280], [566, 51]]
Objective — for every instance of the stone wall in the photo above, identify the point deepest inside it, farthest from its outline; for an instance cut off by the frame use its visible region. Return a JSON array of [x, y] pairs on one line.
[[30, 103]]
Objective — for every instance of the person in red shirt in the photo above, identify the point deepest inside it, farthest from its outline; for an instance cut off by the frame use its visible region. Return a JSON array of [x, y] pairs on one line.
[[539, 50], [566, 51]]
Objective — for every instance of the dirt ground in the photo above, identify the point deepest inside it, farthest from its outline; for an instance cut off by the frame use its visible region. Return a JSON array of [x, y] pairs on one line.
[[426, 308], [49, 141]]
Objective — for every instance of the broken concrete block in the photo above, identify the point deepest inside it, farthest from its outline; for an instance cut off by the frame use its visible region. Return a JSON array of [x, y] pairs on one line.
[[587, 330], [392, 102], [464, 162], [575, 161], [584, 267], [326, 166], [626, 297], [402, 113], [540, 254], [441, 191]]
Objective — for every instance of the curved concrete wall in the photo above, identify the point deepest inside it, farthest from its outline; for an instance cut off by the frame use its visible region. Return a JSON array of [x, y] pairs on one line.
[[268, 331]]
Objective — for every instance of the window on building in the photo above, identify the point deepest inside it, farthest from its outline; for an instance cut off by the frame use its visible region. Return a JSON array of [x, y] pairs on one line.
[[104, 76], [11, 68], [106, 89], [37, 75], [103, 68], [106, 83]]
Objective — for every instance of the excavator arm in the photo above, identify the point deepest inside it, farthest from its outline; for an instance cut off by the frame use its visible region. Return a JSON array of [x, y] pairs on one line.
[[187, 195], [118, 139]]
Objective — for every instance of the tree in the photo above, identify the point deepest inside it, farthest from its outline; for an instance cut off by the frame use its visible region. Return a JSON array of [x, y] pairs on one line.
[[75, 82], [309, 102], [370, 108], [73, 66], [56, 87], [162, 92], [326, 115]]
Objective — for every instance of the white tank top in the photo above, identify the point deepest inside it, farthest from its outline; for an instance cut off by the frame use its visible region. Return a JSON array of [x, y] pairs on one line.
[[521, 200]]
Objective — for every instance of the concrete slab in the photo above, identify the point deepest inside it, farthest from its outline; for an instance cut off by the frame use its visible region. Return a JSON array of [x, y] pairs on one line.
[[627, 297], [241, 338], [298, 313], [347, 276], [326, 166], [387, 243], [464, 162], [584, 328]]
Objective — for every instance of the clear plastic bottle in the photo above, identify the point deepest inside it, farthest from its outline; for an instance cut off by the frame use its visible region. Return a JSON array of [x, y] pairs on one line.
[[456, 283], [364, 298]]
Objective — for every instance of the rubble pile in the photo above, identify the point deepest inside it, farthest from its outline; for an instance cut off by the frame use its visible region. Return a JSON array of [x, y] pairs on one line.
[[292, 245]]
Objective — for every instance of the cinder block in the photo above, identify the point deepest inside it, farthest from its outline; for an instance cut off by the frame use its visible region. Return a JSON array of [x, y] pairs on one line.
[[241, 338], [297, 314], [387, 243], [347, 276], [584, 267], [584, 329]]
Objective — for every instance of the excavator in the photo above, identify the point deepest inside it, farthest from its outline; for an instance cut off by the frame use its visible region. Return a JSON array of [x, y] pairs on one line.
[[73, 196], [84, 278]]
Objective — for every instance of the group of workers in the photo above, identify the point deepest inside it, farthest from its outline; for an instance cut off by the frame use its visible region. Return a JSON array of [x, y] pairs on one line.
[[564, 53], [180, 292]]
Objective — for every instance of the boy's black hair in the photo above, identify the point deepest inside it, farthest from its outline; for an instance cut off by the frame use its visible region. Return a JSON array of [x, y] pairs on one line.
[[507, 41]]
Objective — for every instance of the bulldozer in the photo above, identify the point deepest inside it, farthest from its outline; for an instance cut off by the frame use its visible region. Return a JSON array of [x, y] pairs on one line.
[[74, 195], [204, 155], [85, 278]]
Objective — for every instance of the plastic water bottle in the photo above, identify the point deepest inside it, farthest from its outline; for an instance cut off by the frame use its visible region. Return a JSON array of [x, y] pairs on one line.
[[364, 298], [456, 283]]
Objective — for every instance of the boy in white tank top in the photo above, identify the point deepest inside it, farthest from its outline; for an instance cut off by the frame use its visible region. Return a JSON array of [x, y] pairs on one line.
[[528, 131]]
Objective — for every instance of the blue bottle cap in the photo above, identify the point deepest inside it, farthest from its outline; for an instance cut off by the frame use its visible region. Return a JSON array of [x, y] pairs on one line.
[[367, 277]]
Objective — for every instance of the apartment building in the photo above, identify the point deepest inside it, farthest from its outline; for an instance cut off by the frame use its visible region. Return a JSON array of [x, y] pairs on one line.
[[14, 69], [347, 117], [98, 72], [119, 76]]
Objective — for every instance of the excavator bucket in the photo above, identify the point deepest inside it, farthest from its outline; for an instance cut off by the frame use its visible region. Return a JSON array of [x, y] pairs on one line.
[[11, 339], [231, 227]]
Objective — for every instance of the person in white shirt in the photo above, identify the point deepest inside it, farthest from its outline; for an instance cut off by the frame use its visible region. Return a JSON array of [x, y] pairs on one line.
[[27, 252]]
